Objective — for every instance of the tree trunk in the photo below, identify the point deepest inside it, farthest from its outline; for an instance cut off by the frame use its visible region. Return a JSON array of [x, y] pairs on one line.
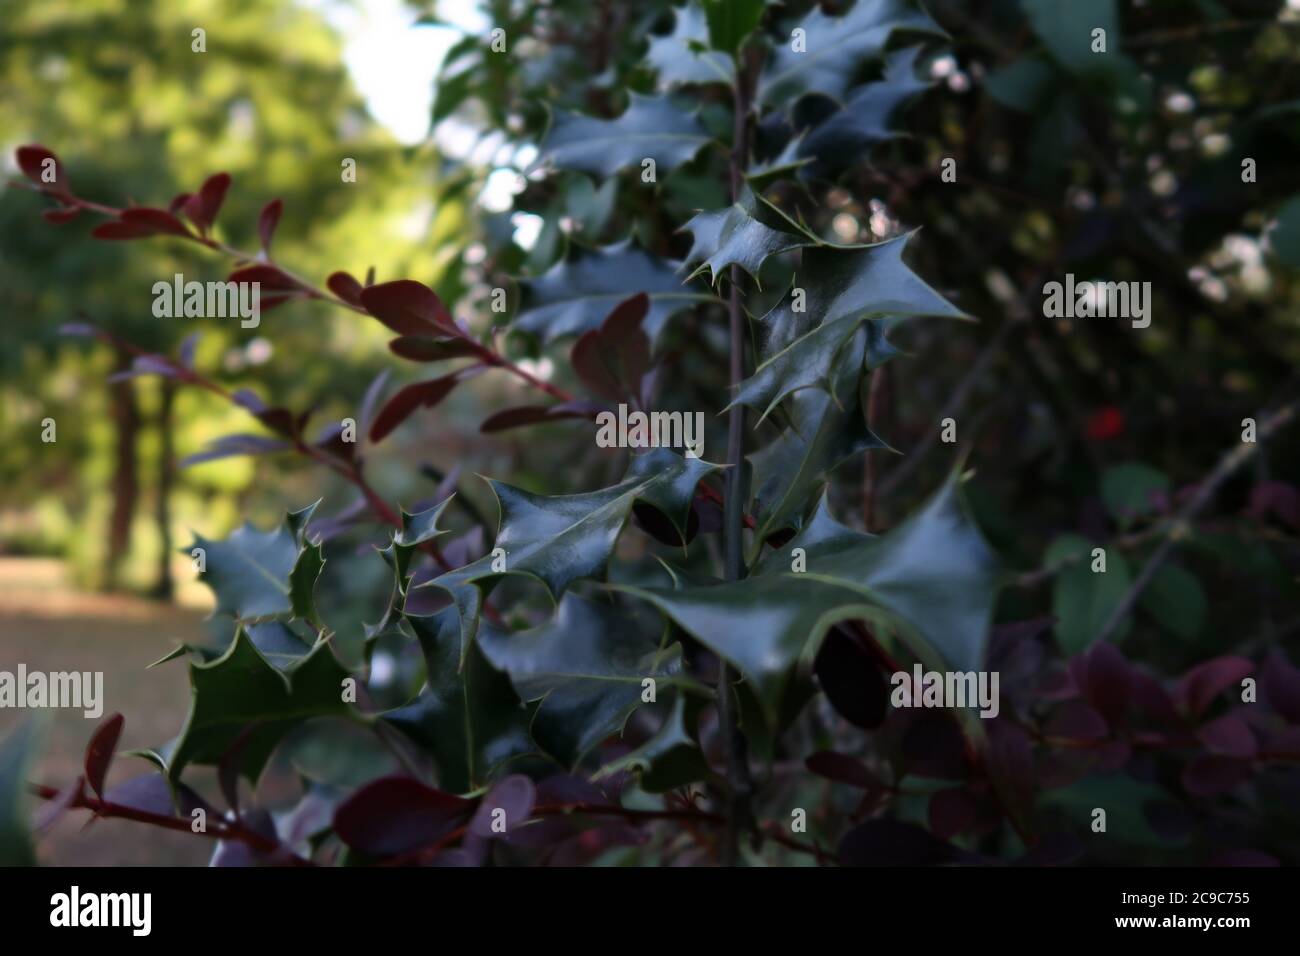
[[125, 413], [164, 586]]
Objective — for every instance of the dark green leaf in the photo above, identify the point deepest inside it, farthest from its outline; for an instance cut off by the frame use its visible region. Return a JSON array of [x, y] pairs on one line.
[[1175, 599], [558, 540], [1130, 490], [468, 718], [242, 689], [933, 578], [847, 136], [1083, 600], [260, 574], [586, 666], [732, 21], [683, 57], [745, 234], [577, 293], [651, 128], [672, 757], [834, 48]]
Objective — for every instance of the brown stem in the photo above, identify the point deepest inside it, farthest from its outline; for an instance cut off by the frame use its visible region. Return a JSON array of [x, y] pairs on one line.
[[219, 829]]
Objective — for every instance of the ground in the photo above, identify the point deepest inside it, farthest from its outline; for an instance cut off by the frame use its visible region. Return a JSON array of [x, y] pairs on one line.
[[50, 626]]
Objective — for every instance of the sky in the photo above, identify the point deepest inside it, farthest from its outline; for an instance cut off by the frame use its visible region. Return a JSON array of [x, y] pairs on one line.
[[392, 61]]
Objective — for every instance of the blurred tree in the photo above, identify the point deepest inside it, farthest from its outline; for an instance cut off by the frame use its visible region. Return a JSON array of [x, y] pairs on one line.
[[123, 89]]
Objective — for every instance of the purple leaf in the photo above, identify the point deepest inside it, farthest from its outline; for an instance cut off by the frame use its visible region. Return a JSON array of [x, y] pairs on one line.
[[1199, 686], [406, 400], [267, 221], [1229, 736], [1076, 720], [512, 796], [1211, 775], [100, 750], [1280, 683], [843, 769], [394, 815], [408, 308], [951, 812]]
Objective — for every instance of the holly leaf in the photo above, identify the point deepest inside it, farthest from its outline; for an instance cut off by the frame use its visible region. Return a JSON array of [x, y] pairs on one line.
[[683, 57], [577, 293], [242, 696], [558, 540], [848, 135], [932, 581], [745, 234], [814, 334], [651, 128], [263, 574], [586, 667], [468, 718], [834, 48], [672, 757], [823, 433]]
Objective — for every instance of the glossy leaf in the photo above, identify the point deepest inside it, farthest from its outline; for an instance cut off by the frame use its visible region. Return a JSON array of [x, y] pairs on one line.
[[745, 234], [586, 666], [466, 716], [651, 128], [260, 574], [558, 540], [933, 575], [243, 689], [672, 757], [577, 293], [683, 57], [834, 48], [846, 137]]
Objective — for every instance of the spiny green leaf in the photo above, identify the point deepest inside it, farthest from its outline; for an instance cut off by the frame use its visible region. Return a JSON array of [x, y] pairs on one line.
[[586, 665], [262, 574], [683, 57], [834, 48], [842, 288], [560, 539], [672, 757], [467, 717], [243, 689], [651, 128], [822, 434], [933, 577], [744, 234], [577, 293], [847, 136]]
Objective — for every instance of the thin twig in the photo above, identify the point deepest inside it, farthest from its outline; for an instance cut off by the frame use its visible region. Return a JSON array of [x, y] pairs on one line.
[[1180, 527]]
